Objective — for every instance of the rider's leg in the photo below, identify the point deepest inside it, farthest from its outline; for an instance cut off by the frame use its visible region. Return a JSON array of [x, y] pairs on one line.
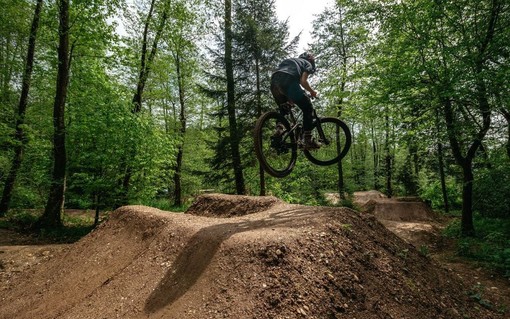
[[306, 106], [279, 83], [284, 88]]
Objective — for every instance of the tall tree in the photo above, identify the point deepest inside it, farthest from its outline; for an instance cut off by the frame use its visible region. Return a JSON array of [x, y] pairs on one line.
[[231, 107], [54, 206], [22, 107], [506, 115], [147, 55], [338, 48], [96, 118], [388, 158], [449, 48], [440, 159], [183, 52], [260, 42], [477, 63], [178, 58], [14, 23]]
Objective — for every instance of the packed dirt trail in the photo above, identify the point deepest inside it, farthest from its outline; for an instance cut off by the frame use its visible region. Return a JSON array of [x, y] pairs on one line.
[[239, 257]]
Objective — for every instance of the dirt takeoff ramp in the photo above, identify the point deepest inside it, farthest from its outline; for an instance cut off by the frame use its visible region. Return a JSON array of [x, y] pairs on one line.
[[282, 261]]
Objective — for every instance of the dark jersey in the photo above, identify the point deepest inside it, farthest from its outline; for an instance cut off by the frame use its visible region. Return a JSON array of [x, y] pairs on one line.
[[295, 67]]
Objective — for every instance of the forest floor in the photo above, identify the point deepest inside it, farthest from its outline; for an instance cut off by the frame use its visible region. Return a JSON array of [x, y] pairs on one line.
[[251, 257]]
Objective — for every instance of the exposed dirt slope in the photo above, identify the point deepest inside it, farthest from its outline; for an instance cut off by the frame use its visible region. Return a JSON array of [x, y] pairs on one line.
[[284, 261]]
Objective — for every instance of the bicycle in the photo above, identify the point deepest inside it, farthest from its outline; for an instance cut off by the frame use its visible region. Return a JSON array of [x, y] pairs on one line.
[[277, 150]]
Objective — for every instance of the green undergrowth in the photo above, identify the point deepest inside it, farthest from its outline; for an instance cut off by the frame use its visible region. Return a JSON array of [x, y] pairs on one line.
[[490, 247], [166, 205], [23, 221]]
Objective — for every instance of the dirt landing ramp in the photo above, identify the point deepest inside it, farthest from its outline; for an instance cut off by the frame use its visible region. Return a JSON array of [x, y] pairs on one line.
[[407, 217], [287, 261], [401, 210]]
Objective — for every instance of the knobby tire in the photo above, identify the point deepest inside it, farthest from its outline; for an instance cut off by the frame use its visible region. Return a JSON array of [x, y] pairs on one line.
[[340, 142], [276, 157]]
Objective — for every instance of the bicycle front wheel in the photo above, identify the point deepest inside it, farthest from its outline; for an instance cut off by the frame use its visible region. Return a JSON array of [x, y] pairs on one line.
[[335, 142], [276, 150]]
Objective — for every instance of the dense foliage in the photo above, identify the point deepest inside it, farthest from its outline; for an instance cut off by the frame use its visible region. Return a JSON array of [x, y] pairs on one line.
[[151, 113]]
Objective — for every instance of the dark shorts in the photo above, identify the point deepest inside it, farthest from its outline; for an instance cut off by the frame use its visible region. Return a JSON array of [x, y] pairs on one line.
[[285, 87]]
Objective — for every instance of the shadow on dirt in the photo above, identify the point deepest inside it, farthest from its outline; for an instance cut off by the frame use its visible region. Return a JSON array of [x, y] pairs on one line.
[[198, 253]]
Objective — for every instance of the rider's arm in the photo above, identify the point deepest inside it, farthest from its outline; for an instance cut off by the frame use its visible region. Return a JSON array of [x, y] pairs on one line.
[[304, 83]]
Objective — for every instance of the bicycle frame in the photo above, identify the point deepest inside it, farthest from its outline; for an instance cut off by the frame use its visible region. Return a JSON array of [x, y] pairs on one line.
[[296, 122], [276, 148]]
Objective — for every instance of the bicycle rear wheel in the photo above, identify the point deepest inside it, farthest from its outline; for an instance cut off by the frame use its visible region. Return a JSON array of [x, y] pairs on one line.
[[336, 145], [276, 153]]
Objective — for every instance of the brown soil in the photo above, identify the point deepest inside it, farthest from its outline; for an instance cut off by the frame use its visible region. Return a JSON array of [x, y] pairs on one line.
[[271, 260], [361, 198]]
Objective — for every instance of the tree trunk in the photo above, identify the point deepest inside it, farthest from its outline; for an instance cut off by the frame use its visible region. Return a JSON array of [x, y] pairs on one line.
[[22, 107], [52, 216], [9, 60], [146, 62], [467, 227], [375, 157], [506, 114], [442, 177], [343, 83], [465, 162], [262, 176], [340, 170], [177, 178], [389, 189], [142, 76], [482, 98], [440, 158], [182, 132], [341, 182], [229, 68]]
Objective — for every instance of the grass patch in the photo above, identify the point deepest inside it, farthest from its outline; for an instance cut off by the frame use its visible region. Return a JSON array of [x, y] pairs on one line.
[[22, 221], [19, 220], [490, 246]]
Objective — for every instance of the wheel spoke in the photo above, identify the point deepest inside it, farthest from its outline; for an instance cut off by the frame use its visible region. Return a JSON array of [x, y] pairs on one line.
[[276, 155]]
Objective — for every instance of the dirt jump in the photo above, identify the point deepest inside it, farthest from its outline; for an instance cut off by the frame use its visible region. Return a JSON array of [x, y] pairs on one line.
[[408, 217], [239, 257]]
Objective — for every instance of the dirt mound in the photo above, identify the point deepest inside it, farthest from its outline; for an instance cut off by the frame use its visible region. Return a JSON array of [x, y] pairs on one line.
[[288, 261], [399, 210], [221, 205], [407, 217], [361, 198], [421, 235]]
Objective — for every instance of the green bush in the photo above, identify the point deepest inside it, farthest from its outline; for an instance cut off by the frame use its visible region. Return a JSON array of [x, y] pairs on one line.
[[491, 191], [20, 219], [26, 197], [430, 191], [490, 246]]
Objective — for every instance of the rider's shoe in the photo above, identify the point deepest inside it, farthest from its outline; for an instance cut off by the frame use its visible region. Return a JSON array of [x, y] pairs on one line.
[[309, 143]]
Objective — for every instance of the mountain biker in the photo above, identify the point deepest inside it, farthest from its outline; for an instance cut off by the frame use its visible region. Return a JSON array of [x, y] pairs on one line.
[[287, 84]]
